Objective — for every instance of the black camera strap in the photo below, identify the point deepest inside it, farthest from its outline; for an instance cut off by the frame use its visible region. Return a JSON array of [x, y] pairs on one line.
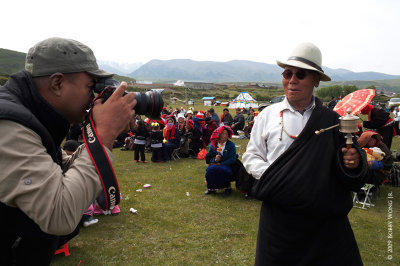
[[102, 164]]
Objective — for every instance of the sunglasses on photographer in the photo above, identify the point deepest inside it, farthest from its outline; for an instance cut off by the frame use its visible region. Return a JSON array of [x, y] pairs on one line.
[[300, 74]]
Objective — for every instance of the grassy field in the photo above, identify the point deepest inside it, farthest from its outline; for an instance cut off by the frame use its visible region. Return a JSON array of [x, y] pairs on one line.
[[177, 224]]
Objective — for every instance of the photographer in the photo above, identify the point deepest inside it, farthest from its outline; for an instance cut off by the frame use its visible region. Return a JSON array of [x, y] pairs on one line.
[[42, 193]]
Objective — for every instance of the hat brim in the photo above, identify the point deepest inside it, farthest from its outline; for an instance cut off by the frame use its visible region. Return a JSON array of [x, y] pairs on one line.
[[299, 64], [98, 73]]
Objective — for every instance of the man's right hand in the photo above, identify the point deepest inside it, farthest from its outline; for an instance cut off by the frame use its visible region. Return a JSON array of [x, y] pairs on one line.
[[113, 116]]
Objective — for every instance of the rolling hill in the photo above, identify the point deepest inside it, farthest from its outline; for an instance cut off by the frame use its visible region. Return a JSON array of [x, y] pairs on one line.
[[209, 71]]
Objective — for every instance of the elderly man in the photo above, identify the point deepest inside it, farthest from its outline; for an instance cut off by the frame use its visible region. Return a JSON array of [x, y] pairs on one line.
[[226, 118], [238, 121], [43, 191], [303, 179]]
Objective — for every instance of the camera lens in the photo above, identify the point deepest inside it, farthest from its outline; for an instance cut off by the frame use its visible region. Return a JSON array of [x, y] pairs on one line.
[[149, 104]]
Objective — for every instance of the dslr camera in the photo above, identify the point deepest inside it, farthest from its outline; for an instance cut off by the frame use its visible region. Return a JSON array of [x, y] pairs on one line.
[[149, 104]]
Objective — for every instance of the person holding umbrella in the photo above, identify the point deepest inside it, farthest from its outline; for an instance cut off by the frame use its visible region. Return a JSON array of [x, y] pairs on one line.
[[303, 178]]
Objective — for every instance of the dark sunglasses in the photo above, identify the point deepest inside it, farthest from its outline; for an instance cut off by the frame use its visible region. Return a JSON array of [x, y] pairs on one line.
[[301, 74]]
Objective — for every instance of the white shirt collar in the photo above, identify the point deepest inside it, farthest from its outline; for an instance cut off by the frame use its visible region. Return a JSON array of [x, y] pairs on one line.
[[286, 106]]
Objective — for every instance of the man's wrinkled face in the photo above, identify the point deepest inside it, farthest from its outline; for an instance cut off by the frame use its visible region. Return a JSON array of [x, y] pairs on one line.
[[299, 84]]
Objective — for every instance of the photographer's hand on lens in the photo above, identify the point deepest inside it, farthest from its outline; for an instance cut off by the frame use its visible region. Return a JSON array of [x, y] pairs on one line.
[[113, 116]]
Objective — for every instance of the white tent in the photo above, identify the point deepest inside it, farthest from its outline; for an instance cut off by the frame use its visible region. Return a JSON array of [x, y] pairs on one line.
[[243, 100]]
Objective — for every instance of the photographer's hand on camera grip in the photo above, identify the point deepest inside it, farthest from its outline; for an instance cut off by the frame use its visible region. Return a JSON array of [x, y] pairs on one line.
[[113, 116]]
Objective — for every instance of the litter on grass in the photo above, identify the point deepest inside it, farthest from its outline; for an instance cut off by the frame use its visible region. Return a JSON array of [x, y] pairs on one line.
[[139, 190], [146, 185], [132, 210]]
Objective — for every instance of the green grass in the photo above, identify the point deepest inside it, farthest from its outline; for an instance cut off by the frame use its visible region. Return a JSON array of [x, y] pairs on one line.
[[172, 228]]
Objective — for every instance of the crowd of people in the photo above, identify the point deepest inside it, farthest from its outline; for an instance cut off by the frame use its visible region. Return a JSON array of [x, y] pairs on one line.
[[180, 132]]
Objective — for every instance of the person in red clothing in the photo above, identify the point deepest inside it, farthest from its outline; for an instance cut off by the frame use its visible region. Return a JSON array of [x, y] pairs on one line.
[[380, 121], [210, 126]]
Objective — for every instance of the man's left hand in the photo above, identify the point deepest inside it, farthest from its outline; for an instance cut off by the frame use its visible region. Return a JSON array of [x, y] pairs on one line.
[[351, 158]]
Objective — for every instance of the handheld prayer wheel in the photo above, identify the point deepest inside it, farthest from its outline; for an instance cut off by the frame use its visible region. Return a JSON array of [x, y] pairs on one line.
[[348, 124]]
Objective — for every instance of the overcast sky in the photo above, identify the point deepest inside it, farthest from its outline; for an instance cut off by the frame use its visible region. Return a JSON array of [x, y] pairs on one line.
[[359, 35]]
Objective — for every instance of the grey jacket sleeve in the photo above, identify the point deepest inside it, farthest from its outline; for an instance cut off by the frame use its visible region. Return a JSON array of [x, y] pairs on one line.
[[30, 180]]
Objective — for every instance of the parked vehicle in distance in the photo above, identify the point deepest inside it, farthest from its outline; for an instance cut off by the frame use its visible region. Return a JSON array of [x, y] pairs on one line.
[[277, 99], [394, 102]]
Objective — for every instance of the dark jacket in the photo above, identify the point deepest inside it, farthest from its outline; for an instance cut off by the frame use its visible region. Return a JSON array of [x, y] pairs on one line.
[[228, 157], [215, 117], [380, 121], [238, 121], [209, 128], [20, 102], [156, 137], [227, 119], [141, 133]]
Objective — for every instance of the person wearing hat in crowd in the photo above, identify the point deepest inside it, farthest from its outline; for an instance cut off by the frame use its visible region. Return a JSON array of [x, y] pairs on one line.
[[220, 158], [238, 121], [214, 116], [181, 123], [303, 178], [43, 193], [380, 121], [226, 118], [189, 115]]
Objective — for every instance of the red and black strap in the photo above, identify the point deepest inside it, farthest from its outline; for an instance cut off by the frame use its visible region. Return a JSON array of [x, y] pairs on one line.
[[102, 164]]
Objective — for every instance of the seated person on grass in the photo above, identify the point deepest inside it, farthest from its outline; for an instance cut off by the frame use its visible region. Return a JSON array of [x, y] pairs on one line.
[[379, 158], [192, 139], [172, 138], [220, 157]]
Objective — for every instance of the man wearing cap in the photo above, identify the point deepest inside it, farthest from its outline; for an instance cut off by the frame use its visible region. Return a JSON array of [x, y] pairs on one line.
[[43, 192], [303, 178], [214, 116]]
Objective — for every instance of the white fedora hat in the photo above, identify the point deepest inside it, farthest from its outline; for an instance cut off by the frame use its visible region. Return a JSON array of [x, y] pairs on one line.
[[307, 56]]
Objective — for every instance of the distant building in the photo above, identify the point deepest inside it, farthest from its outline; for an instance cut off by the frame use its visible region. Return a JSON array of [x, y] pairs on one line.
[[209, 101], [199, 85]]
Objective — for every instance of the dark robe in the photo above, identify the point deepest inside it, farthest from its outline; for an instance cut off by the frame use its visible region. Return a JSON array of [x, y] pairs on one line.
[[380, 122], [306, 198]]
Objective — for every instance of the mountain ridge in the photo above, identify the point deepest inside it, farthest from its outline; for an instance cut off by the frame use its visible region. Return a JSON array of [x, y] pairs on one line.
[[235, 71], [201, 71]]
